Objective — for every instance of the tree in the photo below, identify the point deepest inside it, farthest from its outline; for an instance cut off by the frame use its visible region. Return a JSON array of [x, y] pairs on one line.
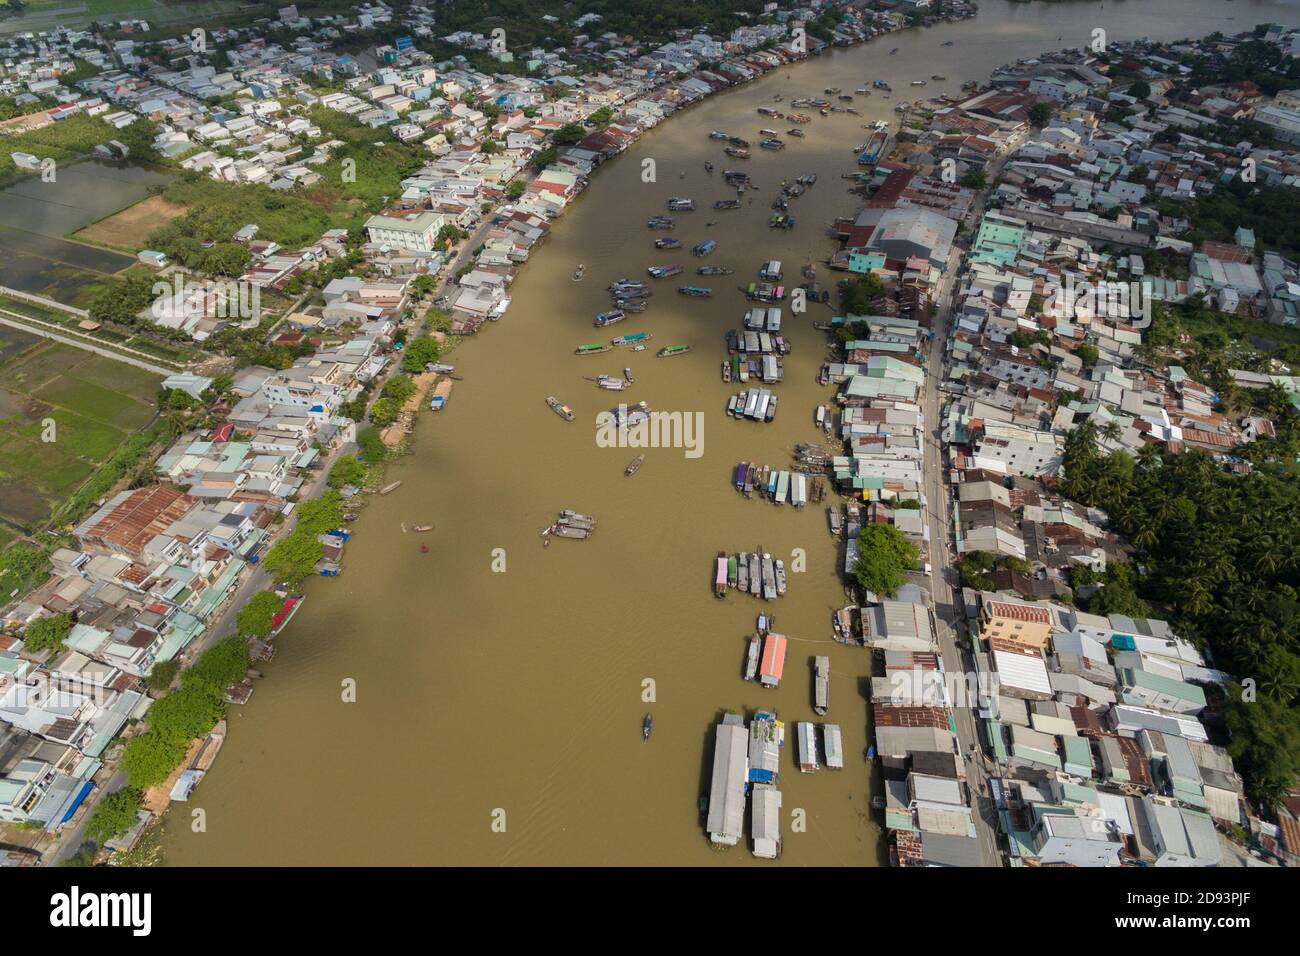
[[400, 387], [544, 157], [257, 617], [385, 411], [423, 284], [419, 353], [47, 633], [114, 815], [884, 553], [162, 674], [318, 515], [973, 570], [856, 295], [448, 234], [220, 665], [372, 446], [189, 712], [568, 134], [1265, 745], [294, 556], [602, 116], [1040, 114], [1140, 90], [975, 179], [346, 471], [150, 757], [515, 189]]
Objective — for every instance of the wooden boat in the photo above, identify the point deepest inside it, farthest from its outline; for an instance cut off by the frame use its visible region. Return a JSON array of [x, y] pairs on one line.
[[821, 684], [592, 348], [423, 527], [714, 271], [579, 272], [751, 660], [609, 318], [647, 725], [720, 575], [564, 411], [390, 487], [670, 350], [634, 465], [696, 291]]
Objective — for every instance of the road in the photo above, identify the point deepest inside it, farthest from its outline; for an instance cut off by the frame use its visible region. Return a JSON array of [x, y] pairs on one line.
[[36, 327], [949, 615]]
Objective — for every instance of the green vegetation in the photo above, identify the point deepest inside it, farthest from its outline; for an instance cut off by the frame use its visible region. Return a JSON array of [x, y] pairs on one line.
[[22, 567], [1271, 212], [257, 617], [69, 429], [347, 470], [884, 554], [371, 443], [857, 295], [186, 713], [114, 815], [385, 411], [568, 134], [321, 514], [1219, 555], [162, 674], [973, 570], [294, 556], [75, 138], [47, 633], [419, 353]]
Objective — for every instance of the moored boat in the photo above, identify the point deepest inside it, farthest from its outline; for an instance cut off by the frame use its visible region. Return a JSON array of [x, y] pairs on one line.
[[751, 659]]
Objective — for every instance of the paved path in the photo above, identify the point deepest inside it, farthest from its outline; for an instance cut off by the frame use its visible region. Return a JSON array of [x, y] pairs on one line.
[[36, 327]]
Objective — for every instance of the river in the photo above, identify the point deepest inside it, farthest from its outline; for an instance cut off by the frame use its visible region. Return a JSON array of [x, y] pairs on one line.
[[521, 692]]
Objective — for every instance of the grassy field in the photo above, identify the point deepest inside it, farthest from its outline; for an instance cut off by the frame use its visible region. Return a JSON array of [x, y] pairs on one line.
[[128, 229], [94, 403]]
